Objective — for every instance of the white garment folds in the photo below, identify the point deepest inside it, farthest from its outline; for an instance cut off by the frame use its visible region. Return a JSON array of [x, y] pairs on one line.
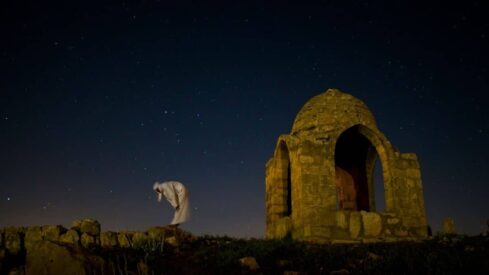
[[177, 195]]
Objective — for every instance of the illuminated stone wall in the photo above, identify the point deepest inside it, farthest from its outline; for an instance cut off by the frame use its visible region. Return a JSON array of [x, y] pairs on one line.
[[335, 131]]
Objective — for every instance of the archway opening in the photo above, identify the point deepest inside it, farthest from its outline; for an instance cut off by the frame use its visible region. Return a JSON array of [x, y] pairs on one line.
[[379, 193], [354, 162], [285, 188]]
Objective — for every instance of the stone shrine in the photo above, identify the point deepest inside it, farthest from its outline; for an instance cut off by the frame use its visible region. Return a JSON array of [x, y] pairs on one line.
[[320, 180]]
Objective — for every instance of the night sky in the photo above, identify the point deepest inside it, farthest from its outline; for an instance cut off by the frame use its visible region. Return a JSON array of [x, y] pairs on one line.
[[98, 101]]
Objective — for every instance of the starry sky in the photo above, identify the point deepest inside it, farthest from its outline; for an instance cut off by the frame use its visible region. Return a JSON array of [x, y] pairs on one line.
[[98, 101]]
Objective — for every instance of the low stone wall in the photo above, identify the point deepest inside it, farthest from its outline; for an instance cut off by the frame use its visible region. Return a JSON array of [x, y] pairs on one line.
[[85, 233], [353, 226]]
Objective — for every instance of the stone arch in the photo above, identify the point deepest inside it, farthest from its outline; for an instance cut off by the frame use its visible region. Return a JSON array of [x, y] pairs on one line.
[[370, 144], [279, 204]]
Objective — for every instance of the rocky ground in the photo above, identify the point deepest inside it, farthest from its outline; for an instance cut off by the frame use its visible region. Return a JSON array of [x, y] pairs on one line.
[[84, 249]]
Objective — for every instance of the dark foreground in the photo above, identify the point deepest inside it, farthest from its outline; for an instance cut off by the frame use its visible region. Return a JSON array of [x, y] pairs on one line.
[[186, 254]]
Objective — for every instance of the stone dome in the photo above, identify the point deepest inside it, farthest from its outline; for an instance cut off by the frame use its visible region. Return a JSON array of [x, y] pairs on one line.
[[330, 111]]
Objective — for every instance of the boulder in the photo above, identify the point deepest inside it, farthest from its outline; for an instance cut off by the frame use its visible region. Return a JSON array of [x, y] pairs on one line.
[[372, 223], [71, 237], [52, 232], [139, 239], [33, 234], [123, 240], [47, 257], [88, 241], [108, 239], [90, 226], [249, 262], [13, 240], [158, 232]]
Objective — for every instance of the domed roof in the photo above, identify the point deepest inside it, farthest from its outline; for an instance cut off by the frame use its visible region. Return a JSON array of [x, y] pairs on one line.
[[330, 111]]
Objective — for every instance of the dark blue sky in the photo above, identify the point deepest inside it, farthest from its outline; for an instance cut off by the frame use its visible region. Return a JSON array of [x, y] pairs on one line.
[[99, 101]]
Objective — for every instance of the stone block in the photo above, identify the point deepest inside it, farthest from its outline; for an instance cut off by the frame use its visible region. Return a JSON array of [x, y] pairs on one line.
[[355, 225], [90, 226], [124, 240], [71, 236], [392, 221], [139, 239], [32, 234], [88, 241], [52, 232], [108, 239], [372, 223], [13, 241], [413, 173], [342, 219]]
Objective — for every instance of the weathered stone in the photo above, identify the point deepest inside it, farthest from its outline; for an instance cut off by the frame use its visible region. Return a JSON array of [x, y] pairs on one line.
[[90, 226], [13, 240], [108, 239], [71, 236], [372, 224], [139, 239], [393, 220], [123, 240], [249, 262], [172, 241], [448, 226], [76, 225], [355, 225], [52, 232], [324, 170], [49, 258], [158, 232], [33, 234], [341, 219], [87, 240]]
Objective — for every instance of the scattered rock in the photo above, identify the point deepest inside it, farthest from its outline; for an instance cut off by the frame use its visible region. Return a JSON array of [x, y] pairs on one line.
[[52, 232], [76, 225], [87, 240], [108, 239], [172, 240], [139, 239], [33, 234], [13, 240], [71, 236], [90, 226], [47, 257], [249, 262], [123, 240], [158, 232]]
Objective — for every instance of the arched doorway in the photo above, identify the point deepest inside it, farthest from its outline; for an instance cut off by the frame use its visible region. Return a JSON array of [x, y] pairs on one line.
[[355, 158]]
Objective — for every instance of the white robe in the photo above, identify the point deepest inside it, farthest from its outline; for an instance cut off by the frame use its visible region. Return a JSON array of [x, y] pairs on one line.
[[177, 195]]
